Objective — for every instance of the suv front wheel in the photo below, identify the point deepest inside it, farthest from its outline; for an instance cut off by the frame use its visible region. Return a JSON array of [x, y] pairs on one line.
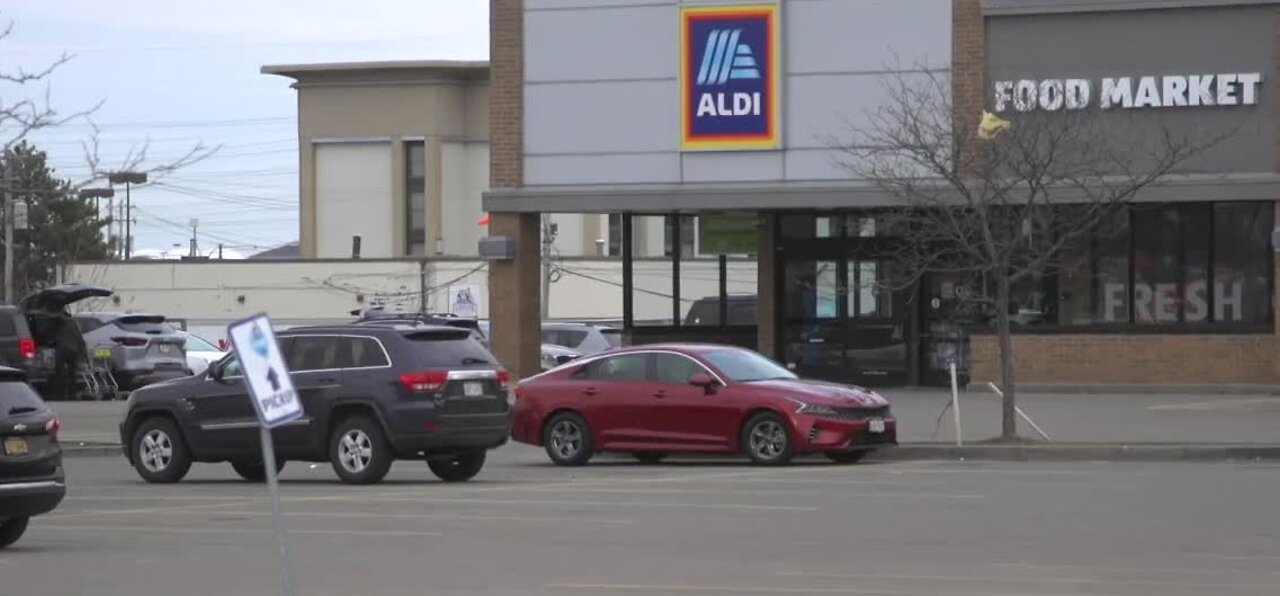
[[358, 451], [459, 467]]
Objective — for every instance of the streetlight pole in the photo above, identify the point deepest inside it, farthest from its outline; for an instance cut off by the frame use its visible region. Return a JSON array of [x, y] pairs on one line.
[[97, 194], [128, 179]]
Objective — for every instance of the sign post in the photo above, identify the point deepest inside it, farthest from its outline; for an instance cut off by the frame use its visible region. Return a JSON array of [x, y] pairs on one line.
[[276, 402]]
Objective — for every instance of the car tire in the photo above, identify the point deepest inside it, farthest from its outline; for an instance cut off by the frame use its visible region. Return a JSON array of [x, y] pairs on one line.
[[846, 457], [160, 454], [254, 470], [459, 467], [12, 529], [567, 439], [359, 452], [649, 458], [766, 440]]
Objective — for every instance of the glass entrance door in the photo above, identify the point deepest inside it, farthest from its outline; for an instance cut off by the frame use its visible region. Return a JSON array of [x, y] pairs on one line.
[[844, 319]]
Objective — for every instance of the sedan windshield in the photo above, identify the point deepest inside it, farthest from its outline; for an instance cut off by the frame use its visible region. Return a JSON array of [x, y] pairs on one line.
[[745, 366]]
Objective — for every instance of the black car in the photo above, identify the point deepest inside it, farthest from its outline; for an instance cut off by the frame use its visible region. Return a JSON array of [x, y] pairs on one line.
[[18, 346], [371, 394], [31, 478], [39, 333]]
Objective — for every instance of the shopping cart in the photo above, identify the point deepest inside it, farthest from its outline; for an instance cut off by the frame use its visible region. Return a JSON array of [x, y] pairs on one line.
[[96, 381]]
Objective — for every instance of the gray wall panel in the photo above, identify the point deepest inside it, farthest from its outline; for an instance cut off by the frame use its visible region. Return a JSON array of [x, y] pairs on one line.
[[819, 106], [815, 164], [733, 166], [601, 117], [602, 169], [534, 5], [612, 44], [863, 35], [1155, 43]]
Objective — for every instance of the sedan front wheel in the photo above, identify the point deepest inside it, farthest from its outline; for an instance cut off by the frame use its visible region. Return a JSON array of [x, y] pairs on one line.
[[767, 440]]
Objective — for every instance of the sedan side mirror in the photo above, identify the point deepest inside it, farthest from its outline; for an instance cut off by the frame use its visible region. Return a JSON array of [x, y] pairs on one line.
[[704, 381]]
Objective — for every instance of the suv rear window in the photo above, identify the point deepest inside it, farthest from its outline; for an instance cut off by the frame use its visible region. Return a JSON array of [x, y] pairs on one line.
[[444, 348], [613, 336], [16, 395], [7, 327], [153, 325]]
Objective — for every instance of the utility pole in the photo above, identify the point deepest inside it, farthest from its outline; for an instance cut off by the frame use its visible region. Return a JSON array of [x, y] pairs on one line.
[[97, 194], [128, 179], [8, 243], [549, 231], [219, 251], [195, 250]]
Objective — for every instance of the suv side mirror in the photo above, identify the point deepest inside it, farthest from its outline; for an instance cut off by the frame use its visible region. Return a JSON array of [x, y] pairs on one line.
[[216, 372], [704, 381]]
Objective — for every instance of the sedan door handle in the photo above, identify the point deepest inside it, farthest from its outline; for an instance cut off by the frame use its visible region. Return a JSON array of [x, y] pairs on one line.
[[661, 393], [590, 391]]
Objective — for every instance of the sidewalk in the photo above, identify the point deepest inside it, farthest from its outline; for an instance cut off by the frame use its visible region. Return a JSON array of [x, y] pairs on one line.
[[1150, 425]]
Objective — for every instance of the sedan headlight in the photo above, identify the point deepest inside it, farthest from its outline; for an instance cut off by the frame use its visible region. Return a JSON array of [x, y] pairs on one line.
[[816, 410]]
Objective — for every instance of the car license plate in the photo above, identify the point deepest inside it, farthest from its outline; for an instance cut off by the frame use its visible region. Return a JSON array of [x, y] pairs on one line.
[[472, 389], [102, 353], [15, 446], [876, 426]]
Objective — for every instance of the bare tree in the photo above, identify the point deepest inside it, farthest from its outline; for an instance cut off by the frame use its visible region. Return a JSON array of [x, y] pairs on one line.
[[996, 203], [137, 159]]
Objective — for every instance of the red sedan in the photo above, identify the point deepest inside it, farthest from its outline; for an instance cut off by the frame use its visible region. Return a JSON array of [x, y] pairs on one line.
[[655, 400]]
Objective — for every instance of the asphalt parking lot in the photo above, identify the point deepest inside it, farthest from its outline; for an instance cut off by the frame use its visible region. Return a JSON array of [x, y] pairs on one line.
[[689, 527]]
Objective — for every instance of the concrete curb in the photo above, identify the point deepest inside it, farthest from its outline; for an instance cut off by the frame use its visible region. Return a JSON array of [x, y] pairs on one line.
[[1082, 452], [91, 450]]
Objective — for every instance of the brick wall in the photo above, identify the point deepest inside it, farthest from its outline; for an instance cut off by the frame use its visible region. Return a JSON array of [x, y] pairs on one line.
[[1136, 359], [968, 59], [506, 93]]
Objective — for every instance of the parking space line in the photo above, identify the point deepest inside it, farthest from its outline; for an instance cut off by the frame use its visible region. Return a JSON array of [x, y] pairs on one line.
[[714, 589], [766, 492], [441, 516], [198, 530], [578, 503], [93, 512], [1023, 580], [1108, 569]]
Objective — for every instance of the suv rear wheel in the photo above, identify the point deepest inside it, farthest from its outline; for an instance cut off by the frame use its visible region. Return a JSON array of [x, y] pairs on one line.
[[459, 467], [160, 454], [358, 450]]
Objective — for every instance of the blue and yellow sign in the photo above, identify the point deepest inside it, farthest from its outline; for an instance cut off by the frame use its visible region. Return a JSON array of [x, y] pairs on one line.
[[729, 77]]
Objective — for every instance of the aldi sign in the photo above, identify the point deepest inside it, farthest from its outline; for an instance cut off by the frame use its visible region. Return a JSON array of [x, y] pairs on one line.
[[729, 74]]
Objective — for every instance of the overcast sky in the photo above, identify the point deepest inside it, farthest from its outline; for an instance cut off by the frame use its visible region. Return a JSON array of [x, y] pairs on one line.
[[181, 72]]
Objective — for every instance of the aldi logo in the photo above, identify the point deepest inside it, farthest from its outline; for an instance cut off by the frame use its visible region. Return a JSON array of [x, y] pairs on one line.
[[729, 76]]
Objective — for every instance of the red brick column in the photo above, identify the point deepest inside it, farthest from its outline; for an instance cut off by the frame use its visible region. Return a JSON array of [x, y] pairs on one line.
[[968, 61], [514, 285]]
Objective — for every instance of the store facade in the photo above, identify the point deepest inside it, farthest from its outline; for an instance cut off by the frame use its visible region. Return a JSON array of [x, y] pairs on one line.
[[734, 113]]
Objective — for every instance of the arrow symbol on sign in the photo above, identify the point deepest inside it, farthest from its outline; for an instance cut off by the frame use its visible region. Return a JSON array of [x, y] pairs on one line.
[[273, 379]]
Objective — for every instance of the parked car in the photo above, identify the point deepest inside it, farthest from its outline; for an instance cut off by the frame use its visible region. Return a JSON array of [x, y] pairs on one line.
[[143, 348], [18, 346], [31, 476], [660, 399], [371, 394], [56, 337], [552, 355], [200, 353], [584, 338], [706, 311]]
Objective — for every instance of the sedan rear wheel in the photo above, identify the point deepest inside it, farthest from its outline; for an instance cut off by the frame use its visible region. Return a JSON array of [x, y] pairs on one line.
[[568, 440], [12, 529], [766, 440]]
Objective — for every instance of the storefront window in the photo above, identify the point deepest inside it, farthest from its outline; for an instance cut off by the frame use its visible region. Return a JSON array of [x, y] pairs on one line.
[[1242, 262], [416, 198], [812, 287], [1170, 264], [1111, 269]]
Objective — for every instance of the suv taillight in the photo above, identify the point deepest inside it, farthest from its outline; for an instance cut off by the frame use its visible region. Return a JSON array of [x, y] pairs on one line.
[[27, 347], [429, 381], [504, 379], [52, 427], [130, 342]]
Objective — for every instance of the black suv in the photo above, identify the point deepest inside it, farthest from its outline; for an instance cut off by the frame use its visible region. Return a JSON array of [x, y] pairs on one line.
[[31, 478], [371, 394]]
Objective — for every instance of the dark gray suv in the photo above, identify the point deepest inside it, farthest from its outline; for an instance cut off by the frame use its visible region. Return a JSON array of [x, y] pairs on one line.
[[371, 394]]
